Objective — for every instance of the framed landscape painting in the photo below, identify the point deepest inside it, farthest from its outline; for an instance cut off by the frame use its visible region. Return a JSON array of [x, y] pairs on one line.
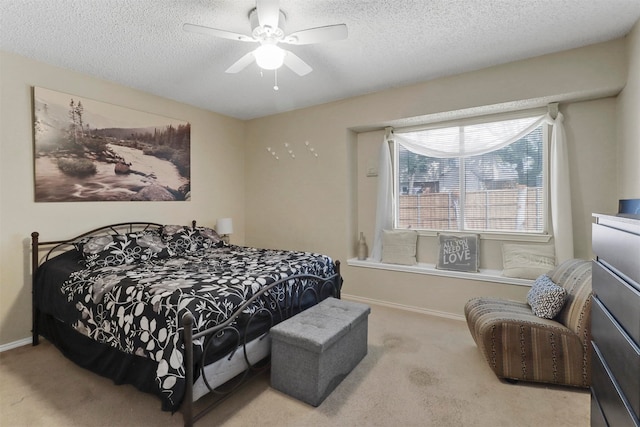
[[87, 150]]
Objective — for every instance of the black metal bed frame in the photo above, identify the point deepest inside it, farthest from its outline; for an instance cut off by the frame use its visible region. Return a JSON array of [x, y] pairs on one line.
[[293, 297]]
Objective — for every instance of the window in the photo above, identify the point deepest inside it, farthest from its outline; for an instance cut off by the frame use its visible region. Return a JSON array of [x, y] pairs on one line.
[[478, 177]]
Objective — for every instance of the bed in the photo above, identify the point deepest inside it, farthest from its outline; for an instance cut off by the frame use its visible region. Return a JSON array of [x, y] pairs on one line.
[[171, 309]]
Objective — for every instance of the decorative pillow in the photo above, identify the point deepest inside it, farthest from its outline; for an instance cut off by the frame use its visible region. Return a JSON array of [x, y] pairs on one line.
[[399, 246], [546, 298], [120, 249], [458, 253], [211, 237], [79, 244], [527, 261], [187, 240]]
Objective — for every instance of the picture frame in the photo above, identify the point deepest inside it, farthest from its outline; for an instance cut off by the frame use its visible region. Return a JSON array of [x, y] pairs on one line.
[[88, 150], [458, 252]]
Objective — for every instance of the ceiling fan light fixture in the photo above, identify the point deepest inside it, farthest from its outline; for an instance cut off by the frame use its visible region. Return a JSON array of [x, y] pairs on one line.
[[269, 56], [268, 28]]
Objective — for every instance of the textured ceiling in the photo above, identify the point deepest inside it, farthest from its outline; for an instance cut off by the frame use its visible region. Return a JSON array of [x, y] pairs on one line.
[[391, 43]]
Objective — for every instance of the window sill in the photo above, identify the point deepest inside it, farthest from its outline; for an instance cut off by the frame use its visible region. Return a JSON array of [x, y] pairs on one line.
[[483, 275]]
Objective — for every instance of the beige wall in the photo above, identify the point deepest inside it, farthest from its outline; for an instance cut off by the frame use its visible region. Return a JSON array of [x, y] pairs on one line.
[[316, 204], [629, 123], [217, 160]]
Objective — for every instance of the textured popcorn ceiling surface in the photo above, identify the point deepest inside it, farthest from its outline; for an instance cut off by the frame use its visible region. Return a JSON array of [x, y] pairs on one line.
[[141, 44]]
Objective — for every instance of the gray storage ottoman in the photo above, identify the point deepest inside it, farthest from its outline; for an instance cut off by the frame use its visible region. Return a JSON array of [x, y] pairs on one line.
[[314, 350]]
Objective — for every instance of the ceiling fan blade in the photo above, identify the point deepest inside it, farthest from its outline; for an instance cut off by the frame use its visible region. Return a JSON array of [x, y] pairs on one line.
[[241, 63], [318, 35], [268, 13], [193, 28], [296, 64]]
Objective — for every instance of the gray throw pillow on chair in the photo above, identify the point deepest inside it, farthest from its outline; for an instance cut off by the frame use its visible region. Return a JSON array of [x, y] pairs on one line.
[[546, 298]]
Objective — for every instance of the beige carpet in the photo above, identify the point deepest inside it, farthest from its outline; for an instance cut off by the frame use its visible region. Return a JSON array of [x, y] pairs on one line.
[[420, 371]]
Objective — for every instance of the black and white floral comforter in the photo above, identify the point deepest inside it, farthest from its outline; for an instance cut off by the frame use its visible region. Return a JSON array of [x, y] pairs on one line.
[[136, 307]]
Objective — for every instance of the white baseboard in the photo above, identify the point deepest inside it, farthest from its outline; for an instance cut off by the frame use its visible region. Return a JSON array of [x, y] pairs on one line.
[[404, 307], [15, 344]]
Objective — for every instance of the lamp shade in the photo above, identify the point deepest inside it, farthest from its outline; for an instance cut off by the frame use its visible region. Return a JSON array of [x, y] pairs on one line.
[[224, 226], [269, 56]]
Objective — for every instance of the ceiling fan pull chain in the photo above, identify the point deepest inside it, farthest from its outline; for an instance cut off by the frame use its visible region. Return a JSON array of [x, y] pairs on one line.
[[275, 74]]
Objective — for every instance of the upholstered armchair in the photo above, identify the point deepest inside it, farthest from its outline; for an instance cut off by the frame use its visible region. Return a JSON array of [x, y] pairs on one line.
[[518, 345]]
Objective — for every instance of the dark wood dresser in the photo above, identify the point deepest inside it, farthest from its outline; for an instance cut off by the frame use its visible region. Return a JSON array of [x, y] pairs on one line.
[[615, 321]]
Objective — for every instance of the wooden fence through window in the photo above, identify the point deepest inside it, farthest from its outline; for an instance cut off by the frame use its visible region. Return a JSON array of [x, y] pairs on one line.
[[518, 209]]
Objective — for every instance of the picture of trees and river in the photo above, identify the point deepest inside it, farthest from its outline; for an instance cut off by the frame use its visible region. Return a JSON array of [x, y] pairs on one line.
[[87, 150]]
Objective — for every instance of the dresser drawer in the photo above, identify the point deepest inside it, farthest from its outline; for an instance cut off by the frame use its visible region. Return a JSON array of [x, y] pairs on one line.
[[616, 410], [619, 249], [621, 355], [597, 417], [621, 299]]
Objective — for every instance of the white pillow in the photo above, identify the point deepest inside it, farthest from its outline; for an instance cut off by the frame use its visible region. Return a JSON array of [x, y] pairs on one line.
[[399, 247], [527, 261], [546, 298]]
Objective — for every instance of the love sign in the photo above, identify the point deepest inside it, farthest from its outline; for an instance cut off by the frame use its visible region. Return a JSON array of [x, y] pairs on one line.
[[459, 253]]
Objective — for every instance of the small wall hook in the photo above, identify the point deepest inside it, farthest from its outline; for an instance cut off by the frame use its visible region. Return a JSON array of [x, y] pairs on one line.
[[273, 153], [289, 150], [311, 149]]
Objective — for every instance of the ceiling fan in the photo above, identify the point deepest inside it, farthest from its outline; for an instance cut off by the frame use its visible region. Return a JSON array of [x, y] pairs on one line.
[[267, 24]]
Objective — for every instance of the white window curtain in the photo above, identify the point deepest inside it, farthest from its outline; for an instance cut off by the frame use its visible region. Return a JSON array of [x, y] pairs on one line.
[[386, 199], [480, 139], [561, 220]]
